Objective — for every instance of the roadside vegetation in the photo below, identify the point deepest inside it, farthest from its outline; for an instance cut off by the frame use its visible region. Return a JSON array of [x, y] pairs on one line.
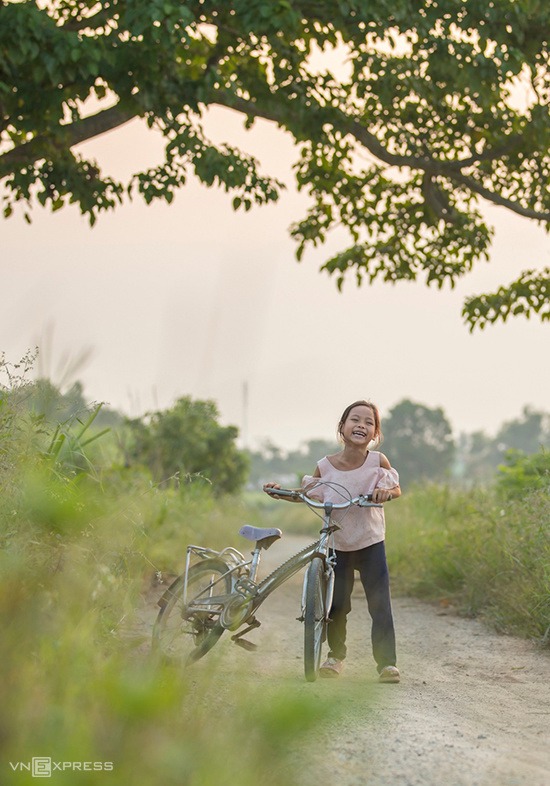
[[486, 552], [82, 542], [89, 528]]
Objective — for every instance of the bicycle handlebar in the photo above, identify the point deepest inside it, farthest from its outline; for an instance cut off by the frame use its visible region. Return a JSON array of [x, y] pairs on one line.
[[363, 500]]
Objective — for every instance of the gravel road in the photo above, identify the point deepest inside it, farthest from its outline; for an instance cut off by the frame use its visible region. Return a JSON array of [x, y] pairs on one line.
[[472, 708]]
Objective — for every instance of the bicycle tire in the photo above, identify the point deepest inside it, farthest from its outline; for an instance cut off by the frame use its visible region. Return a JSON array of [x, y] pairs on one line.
[[314, 618], [183, 638]]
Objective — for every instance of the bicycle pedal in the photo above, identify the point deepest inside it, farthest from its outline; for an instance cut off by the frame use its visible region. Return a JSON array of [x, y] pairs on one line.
[[246, 645]]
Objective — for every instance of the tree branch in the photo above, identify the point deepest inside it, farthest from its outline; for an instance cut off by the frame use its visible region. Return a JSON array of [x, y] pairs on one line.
[[67, 137], [431, 166], [499, 200]]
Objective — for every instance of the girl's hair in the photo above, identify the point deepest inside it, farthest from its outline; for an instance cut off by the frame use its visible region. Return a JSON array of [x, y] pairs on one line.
[[378, 436]]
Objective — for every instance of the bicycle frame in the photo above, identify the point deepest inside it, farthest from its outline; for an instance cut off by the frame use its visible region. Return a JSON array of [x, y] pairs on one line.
[[245, 592], [238, 606]]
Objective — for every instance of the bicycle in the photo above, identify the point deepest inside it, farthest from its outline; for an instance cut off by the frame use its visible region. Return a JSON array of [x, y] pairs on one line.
[[220, 591]]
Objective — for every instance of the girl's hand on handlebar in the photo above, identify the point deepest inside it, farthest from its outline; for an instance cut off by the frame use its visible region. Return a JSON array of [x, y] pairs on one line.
[[382, 495], [269, 488], [289, 495]]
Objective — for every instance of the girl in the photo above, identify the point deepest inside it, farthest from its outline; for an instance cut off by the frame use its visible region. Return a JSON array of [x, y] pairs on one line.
[[359, 542]]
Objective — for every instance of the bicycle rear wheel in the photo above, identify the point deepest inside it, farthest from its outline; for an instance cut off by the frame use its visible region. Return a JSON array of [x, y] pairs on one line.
[[314, 618], [183, 636]]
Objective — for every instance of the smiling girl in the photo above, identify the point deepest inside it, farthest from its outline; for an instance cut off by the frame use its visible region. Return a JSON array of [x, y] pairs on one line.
[[359, 541]]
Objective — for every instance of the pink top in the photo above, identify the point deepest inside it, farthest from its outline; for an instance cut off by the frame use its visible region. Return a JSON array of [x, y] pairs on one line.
[[359, 527]]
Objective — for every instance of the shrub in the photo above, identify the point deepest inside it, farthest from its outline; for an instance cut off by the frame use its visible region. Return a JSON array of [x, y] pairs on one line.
[[523, 473], [487, 556]]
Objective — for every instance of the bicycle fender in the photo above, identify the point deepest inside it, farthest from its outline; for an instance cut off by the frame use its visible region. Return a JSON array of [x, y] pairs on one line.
[[167, 594]]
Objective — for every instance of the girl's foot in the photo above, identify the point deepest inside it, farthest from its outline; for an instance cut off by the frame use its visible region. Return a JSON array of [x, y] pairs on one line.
[[389, 674], [332, 667]]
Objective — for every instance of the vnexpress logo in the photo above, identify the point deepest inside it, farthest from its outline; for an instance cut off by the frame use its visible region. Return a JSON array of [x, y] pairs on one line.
[[44, 766]]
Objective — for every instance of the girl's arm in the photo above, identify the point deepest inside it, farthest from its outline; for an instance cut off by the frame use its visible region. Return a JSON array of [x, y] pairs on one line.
[[383, 495], [266, 486]]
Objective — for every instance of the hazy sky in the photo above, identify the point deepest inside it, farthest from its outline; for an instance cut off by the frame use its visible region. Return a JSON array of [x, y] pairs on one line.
[[194, 299]]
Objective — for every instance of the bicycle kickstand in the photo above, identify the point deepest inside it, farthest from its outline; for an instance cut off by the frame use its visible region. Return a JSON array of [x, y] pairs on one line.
[[246, 645]]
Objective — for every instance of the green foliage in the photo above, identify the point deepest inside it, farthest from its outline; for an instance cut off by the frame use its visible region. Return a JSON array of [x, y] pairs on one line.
[[15, 442], [59, 447], [530, 293], [77, 604], [419, 442], [429, 108], [187, 441], [471, 550], [524, 473]]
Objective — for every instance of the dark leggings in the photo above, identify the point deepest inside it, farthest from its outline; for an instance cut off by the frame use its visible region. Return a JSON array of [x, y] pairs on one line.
[[373, 572]]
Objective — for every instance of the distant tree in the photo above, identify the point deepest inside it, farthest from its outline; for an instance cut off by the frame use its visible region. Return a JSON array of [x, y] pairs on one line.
[[436, 107], [186, 441], [314, 450], [272, 463], [269, 462], [477, 457], [45, 400], [528, 434], [419, 442], [303, 461]]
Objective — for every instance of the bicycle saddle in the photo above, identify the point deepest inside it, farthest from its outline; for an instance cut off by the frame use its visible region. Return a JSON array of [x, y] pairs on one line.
[[264, 537]]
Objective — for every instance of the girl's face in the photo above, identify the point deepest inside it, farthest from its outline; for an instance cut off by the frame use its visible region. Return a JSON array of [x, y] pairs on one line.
[[359, 428]]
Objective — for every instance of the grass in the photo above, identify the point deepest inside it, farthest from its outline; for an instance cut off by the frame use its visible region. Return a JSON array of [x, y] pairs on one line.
[[487, 555], [77, 552], [79, 686]]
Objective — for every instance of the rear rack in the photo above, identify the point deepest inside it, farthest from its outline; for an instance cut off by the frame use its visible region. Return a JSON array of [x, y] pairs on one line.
[[233, 558]]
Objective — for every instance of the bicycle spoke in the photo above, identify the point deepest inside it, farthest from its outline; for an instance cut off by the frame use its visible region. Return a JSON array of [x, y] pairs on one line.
[[183, 635]]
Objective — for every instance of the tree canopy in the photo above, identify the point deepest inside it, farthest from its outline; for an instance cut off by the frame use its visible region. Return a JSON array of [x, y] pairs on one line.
[[436, 107], [186, 442], [420, 442]]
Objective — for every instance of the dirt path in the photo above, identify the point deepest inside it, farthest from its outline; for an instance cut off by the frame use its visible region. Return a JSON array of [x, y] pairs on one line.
[[472, 709]]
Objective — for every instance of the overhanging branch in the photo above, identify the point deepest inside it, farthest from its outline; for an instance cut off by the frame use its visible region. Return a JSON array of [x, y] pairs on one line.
[[498, 199], [452, 170], [67, 136]]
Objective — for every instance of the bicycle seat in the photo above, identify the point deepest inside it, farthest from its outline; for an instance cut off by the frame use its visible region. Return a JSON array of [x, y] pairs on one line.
[[264, 537]]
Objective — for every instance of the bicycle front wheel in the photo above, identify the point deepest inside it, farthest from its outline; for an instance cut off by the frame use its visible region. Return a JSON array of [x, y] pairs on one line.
[[315, 618], [185, 636]]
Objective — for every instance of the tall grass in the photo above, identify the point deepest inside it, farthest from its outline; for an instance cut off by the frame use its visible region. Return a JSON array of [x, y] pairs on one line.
[[488, 555], [79, 684], [78, 551]]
